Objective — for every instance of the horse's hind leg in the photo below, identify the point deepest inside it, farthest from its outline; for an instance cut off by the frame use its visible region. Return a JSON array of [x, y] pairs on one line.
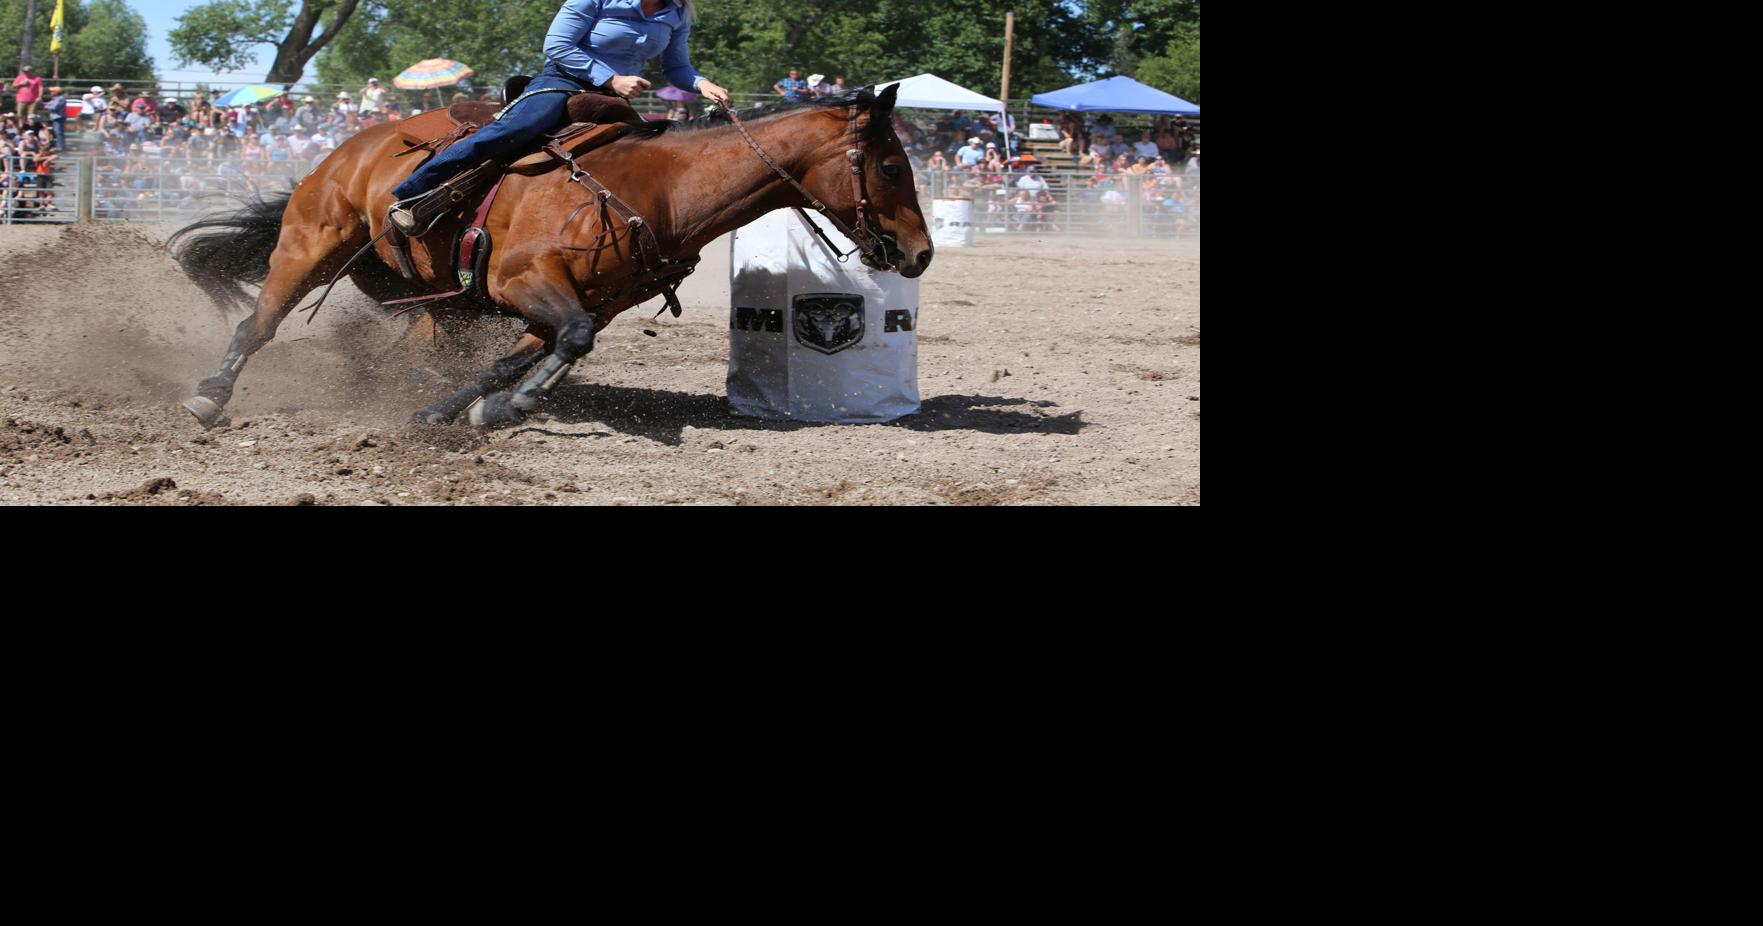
[[311, 249], [502, 374]]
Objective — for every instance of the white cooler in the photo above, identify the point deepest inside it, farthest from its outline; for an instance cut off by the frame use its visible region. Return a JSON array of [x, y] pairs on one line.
[[811, 339]]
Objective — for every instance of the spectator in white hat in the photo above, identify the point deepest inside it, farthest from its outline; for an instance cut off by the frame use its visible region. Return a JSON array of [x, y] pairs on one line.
[[817, 85], [91, 105], [373, 96], [971, 154]]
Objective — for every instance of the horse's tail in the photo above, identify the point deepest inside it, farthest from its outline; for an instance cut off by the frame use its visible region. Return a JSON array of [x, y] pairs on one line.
[[222, 253]]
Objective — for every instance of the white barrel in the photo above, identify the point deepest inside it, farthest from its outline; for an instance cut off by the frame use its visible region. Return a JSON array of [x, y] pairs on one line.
[[813, 339], [952, 223]]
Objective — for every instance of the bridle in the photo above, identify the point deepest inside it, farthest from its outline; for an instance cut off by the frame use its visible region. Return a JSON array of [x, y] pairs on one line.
[[873, 246]]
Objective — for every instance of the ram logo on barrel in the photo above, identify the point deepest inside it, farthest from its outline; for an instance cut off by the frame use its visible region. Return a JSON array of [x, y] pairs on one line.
[[829, 323]]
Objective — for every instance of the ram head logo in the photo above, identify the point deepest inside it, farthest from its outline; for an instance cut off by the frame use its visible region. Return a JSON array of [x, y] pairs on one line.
[[829, 323]]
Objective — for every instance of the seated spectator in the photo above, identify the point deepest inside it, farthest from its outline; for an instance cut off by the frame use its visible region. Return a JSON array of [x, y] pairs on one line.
[[972, 154], [1145, 148], [1105, 131], [1143, 166], [92, 106], [1023, 209], [938, 162], [792, 88], [1168, 146], [1031, 180], [1067, 141]]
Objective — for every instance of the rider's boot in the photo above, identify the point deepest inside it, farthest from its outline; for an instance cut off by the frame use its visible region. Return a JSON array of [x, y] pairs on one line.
[[417, 215]]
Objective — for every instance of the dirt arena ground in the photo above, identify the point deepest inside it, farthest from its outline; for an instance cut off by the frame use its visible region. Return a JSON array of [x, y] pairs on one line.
[[1054, 372]]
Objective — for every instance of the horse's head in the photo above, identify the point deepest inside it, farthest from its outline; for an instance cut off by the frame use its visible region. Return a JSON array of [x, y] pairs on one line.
[[879, 197]]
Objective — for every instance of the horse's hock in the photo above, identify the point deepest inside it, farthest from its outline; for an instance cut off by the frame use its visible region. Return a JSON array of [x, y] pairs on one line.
[[814, 339]]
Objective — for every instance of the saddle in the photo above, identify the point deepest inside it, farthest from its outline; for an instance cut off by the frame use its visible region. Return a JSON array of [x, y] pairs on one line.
[[594, 120]]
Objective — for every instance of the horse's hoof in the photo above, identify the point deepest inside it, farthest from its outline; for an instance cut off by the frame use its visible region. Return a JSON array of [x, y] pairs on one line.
[[495, 411], [207, 411], [427, 417]]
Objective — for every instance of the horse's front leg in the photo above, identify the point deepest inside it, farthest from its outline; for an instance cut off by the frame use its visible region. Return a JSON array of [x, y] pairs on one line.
[[549, 303], [502, 374]]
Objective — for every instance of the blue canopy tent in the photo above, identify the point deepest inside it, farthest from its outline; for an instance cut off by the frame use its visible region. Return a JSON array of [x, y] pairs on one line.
[[1116, 95]]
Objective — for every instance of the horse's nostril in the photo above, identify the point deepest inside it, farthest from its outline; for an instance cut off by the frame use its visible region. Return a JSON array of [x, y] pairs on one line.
[[924, 257]]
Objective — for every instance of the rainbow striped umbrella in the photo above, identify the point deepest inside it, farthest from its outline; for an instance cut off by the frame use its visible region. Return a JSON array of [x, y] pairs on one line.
[[249, 96], [435, 72]]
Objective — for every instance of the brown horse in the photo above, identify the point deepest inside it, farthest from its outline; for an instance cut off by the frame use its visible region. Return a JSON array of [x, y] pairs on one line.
[[560, 261]]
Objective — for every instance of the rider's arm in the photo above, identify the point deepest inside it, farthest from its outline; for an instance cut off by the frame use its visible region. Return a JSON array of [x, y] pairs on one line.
[[566, 43], [676, 61]]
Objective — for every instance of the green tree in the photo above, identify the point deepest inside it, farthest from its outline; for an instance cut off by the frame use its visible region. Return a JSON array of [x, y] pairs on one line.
[[1141, 28], [1177, 70], [387, 36], [101, 39], [747, 45], [220, 34]]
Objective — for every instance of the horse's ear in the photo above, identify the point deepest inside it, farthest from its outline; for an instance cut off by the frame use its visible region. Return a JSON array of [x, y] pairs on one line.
[[884, 104]]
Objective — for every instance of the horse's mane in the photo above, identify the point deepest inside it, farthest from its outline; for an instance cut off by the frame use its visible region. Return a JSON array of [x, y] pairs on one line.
[[860, 97]]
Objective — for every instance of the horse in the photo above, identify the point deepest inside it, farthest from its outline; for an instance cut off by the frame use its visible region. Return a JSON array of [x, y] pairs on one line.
[[562, 260]]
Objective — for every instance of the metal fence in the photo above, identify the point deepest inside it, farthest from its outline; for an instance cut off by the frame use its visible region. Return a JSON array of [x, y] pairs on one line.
[[156, 189], [152, 188], [32, 198], [1073, 203]]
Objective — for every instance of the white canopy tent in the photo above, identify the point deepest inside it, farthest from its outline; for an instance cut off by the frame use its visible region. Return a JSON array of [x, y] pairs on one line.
[[928, 91]]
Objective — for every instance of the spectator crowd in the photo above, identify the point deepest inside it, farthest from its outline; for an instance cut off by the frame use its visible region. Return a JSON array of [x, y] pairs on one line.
[[170, 148]]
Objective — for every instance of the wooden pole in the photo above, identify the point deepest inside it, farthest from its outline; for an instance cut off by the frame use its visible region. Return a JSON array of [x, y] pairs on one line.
[[1009, 49], [1004, 97]]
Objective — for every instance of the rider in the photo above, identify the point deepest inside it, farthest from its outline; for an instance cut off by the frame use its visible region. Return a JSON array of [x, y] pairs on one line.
[[593, 45]]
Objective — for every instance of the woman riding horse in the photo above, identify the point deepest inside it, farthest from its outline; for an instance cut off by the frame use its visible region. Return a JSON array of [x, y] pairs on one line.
[[593, 46]]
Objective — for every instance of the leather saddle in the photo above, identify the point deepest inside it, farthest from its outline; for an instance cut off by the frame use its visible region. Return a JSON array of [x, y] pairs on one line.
[[593, 121]]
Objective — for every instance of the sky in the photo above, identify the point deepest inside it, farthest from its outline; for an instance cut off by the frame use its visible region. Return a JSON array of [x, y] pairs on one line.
[[162, 16]]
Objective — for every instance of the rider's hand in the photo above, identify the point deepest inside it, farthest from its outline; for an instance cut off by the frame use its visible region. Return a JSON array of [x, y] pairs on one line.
[[627, 87], [715, 94]]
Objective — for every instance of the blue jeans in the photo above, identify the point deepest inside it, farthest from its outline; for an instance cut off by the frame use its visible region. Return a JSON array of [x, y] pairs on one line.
[[516, 132]]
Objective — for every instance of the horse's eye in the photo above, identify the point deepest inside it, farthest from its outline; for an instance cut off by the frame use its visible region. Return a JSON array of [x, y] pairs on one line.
[[891, 171]]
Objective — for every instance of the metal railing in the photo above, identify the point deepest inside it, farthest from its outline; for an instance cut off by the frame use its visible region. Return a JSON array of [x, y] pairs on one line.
[[154, 188], [1073, 203], [31, 198]]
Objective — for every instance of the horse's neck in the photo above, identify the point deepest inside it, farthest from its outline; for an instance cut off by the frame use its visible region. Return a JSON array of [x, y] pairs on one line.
[[712, 182]]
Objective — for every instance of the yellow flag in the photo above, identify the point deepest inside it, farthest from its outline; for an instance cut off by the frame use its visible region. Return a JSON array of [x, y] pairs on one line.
[[55, 31]]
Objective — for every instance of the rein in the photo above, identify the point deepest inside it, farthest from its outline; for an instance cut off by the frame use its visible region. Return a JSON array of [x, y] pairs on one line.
[[873, 248]]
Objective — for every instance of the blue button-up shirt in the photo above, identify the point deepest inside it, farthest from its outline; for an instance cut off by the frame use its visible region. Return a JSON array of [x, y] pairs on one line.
[[597, 40]]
